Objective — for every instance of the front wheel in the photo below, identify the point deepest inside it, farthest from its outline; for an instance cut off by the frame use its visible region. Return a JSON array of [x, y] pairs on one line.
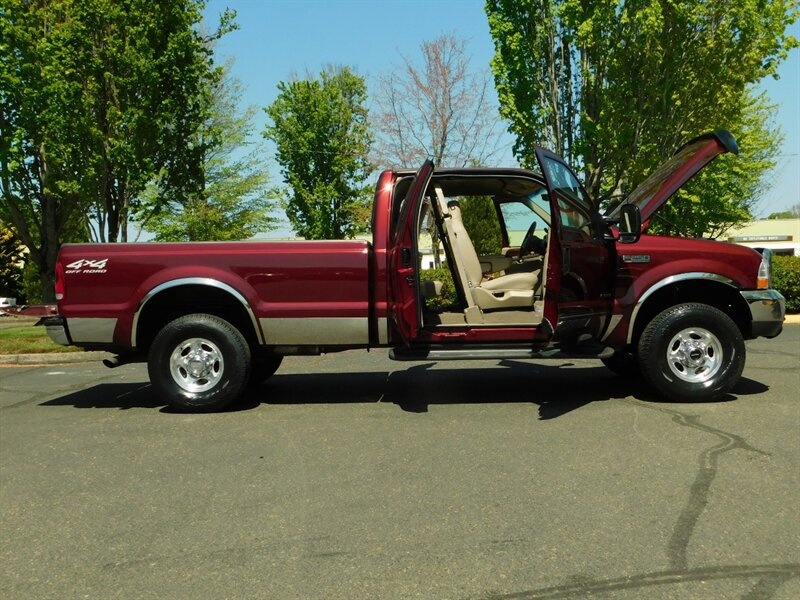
[[691, 352], [199, 363]]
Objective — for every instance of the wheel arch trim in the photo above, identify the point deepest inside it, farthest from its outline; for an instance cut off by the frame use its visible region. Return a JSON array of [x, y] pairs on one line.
[[661, 284], [203, 281]]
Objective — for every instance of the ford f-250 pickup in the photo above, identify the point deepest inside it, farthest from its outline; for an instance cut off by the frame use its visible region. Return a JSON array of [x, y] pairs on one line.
[[210, 317]]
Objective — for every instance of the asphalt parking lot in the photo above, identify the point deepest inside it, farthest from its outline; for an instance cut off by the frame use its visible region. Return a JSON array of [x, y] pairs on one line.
[[350, 476]]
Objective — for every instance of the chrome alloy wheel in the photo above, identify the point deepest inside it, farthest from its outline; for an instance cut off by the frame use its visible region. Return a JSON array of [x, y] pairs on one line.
[[196, 365], [694, 355]]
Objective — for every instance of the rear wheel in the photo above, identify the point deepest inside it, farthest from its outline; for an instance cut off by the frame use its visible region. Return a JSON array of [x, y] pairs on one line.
[[692, 352], [199, 363]]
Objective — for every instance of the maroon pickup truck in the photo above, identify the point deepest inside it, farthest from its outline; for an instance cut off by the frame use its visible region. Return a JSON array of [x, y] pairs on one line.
[[570, 282]]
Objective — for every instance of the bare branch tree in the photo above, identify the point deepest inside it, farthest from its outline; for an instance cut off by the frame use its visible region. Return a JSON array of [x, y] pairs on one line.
[[441, 108]]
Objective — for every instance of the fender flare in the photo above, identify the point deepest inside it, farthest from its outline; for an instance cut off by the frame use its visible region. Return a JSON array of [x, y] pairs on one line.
[[206, 281], [669, 281]]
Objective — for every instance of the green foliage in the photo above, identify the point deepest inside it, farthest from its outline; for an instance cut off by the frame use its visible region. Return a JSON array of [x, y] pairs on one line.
[[31, 284], [43, 128], [24, 338], [786, 279], [616, 87], [148, 77], [480, 221], [97, 97], [11, 261], [726, 192], [792, 213], [321, 131], [448, 300], [233, 203]]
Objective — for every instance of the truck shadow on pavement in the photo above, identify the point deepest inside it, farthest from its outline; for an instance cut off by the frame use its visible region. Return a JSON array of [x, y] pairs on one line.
[[556, 389]]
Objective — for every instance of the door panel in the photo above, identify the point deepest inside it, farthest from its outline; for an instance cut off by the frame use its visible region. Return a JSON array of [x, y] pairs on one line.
[[403, 264], [586, 270]]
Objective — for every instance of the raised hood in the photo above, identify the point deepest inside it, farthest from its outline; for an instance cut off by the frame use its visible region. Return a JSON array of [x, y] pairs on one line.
[[654, 192]]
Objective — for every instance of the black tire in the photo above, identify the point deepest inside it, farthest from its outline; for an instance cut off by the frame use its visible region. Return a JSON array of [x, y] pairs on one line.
[[199, 363], [691, 352], [625, 364], [264, 367]]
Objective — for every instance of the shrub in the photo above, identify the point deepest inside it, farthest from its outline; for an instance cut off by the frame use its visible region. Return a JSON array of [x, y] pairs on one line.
[[786, 279], [449, 297]]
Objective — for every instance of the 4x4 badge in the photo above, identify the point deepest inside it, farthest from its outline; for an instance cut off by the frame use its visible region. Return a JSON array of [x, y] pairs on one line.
[[636, 258], [85, 265]]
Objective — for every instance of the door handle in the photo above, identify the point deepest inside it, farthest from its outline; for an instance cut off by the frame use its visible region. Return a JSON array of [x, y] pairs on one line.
[[410, 280]]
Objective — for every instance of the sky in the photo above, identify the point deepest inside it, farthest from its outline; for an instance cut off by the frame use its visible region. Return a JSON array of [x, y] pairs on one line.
[[277, 39]]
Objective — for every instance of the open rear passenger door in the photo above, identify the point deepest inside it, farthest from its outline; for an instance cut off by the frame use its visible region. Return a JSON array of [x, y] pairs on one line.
[[404, 309]]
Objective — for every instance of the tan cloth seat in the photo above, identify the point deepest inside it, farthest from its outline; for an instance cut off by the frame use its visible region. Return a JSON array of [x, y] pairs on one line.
[[506, 291]]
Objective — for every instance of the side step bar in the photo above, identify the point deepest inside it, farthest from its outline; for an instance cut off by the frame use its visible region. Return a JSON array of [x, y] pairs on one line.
[[498, 352]]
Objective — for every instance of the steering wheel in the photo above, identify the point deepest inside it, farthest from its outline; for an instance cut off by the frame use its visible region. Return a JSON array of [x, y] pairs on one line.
[[526, 247]]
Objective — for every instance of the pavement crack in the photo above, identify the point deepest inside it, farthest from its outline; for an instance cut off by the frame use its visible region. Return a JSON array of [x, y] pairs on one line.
[[771, 578], [707, 464]]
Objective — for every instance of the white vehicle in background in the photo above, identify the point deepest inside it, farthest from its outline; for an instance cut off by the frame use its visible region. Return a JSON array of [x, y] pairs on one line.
[[7, 303]]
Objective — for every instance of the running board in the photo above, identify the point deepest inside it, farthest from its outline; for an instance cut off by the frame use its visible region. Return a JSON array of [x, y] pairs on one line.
[[498, 353]]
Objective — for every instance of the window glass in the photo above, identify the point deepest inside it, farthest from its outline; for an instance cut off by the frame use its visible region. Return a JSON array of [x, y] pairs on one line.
[[565, 182], [573, 206], [518, 217], [431, 253], [572, 216]]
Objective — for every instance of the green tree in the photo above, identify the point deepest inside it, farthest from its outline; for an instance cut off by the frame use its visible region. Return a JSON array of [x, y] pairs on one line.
[[97, 97], [44, 146], [480, 220], [233, 203], [616, 87], [150, 72], [792, 213], [12, 257], [322, 136], [727, 192]]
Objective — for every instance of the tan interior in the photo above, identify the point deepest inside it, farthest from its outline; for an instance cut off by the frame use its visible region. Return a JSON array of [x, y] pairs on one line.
[[515, 290]]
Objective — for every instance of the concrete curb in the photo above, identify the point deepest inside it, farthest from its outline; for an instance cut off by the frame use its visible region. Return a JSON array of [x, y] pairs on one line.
[[52, 358], [61, 358]]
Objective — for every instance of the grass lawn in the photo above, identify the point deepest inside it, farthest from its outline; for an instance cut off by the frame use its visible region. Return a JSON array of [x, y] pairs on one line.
[[24, 338]]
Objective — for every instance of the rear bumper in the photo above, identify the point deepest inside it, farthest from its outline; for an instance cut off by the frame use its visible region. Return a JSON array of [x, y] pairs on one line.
[[57, 330], [86, 332], [767, 311]]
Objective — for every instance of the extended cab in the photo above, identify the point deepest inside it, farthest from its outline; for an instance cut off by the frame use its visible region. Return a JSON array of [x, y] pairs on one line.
[[569, 282]]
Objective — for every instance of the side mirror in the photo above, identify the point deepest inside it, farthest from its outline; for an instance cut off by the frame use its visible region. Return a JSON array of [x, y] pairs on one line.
[[630, 224]]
